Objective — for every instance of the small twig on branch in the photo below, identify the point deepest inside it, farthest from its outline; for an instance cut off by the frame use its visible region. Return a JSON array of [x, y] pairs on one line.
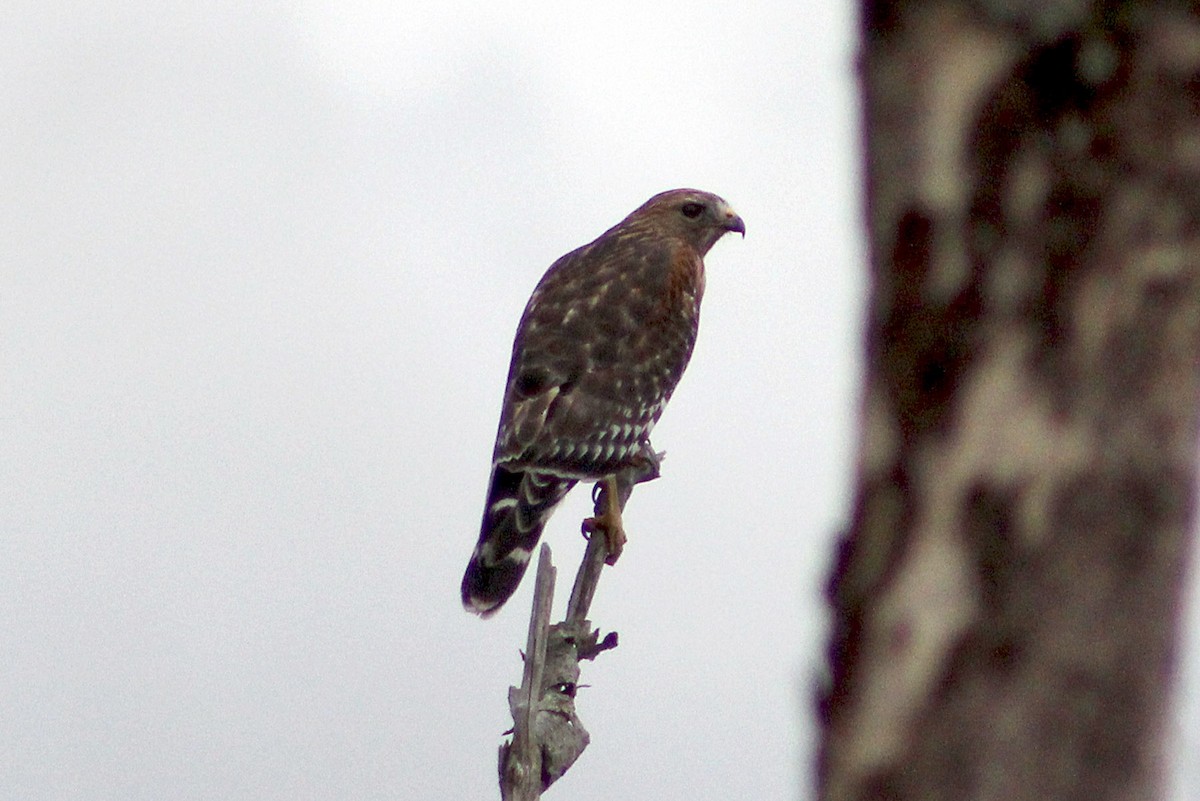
[[521, 761], [548, 736]]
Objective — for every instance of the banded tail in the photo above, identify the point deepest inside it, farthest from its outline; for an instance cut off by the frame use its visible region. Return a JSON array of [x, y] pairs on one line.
[[519, 504]]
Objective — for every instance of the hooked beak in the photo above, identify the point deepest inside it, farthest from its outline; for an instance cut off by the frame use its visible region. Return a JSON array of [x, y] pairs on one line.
[[729, 219], [734, 223]]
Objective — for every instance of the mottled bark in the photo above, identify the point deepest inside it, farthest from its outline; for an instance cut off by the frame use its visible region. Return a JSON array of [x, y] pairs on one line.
[[1006, 601]]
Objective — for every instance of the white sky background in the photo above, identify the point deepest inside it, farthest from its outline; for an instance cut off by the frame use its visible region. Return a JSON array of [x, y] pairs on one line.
[[261, 267]]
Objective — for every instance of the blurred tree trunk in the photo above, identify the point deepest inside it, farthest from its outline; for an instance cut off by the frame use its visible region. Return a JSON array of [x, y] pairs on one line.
[[1007, 600]]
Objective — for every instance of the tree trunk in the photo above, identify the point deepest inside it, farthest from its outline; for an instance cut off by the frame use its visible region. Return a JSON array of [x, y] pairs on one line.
[[1007, 600]]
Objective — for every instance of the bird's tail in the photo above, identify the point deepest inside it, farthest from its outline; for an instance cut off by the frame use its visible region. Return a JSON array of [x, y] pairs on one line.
[[519, 504]]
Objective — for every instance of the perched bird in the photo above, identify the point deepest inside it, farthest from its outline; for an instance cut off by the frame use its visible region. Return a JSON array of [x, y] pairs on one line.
[[603, 341]]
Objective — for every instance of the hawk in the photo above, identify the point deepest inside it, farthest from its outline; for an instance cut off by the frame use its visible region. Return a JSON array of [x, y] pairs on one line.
[[601, 345]]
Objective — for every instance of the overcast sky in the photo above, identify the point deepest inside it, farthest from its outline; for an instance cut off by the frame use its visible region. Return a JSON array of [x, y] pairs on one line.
[[261, 268]]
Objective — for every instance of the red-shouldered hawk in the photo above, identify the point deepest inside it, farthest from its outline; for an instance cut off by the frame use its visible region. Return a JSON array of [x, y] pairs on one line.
[[603, 341]]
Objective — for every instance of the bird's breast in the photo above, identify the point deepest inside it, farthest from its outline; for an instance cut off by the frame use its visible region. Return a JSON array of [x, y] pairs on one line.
[[685, 285]]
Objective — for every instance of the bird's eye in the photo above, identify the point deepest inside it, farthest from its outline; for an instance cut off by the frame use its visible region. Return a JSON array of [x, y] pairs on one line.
[[692, 210]]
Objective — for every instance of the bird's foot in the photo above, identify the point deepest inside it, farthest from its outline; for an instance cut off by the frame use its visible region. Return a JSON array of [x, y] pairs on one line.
[[609, 523], [614, 535]]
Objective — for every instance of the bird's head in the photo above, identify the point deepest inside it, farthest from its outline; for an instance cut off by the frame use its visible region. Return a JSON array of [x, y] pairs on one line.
[[700, 218]]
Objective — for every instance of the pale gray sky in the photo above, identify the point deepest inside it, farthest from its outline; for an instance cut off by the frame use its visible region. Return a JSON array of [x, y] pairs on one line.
[[262, 266]]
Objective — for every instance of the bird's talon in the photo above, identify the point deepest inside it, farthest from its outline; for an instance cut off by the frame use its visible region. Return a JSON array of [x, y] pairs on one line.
[[588, 528]]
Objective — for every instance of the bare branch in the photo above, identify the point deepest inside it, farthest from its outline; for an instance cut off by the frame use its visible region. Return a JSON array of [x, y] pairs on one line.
[[588, 576], [521, 761], [549, 737]]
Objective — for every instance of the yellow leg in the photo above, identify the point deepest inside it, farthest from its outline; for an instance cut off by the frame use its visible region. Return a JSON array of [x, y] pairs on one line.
[[610, 522]]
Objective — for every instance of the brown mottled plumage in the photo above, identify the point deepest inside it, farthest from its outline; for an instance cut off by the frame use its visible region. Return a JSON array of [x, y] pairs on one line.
[[602, 343]]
